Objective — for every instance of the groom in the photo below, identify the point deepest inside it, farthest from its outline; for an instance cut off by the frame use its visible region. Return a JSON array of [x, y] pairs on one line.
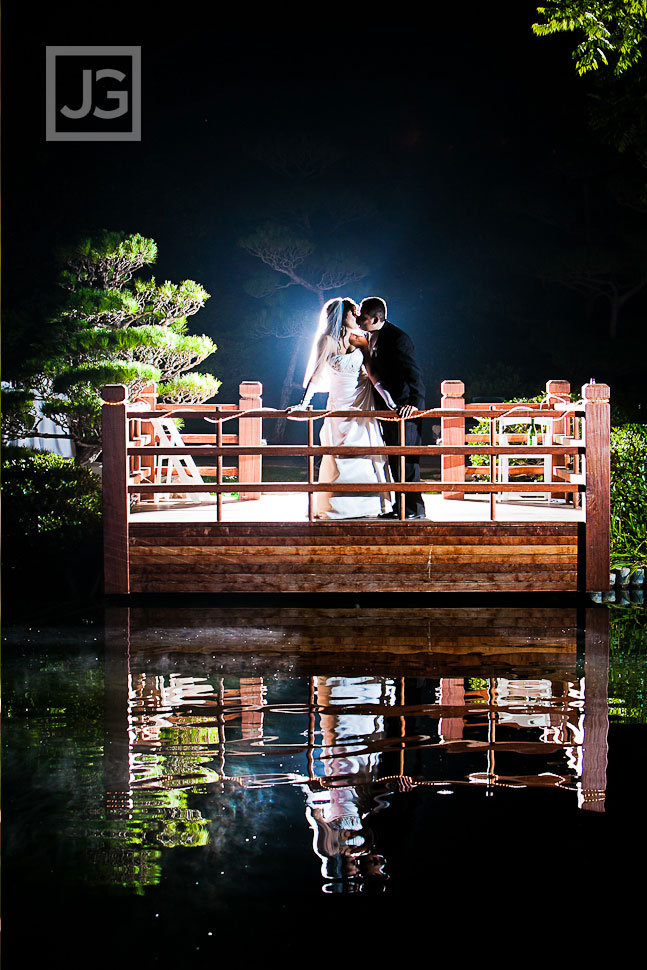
[[393, 356]]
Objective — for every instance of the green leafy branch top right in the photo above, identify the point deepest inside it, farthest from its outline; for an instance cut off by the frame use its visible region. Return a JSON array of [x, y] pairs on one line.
[[613, 31]]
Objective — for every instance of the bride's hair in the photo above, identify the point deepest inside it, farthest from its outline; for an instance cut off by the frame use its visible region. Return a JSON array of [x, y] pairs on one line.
[[333, 315], [329, 333]]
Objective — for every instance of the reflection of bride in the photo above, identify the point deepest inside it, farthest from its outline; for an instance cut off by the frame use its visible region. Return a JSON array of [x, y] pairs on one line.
[[340, 364], [339, 806]]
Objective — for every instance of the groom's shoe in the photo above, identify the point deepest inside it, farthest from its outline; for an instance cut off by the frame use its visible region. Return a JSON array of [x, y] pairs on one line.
[[396, 515]]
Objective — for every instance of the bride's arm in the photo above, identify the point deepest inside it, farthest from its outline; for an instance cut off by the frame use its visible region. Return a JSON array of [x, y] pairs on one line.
[[361, 341], [311, 387]]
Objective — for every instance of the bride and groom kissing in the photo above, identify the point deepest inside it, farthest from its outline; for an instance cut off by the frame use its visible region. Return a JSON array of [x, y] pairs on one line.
[[365, 363]]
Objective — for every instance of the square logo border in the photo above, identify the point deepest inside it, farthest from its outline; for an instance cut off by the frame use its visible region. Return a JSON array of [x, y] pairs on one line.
[[51, 134]]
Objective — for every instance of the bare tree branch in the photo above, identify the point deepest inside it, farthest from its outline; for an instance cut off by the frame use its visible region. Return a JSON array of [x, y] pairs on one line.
[[300, 156]]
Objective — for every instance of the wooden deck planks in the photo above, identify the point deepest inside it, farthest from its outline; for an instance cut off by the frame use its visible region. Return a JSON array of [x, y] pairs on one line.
[[394, 531], [360, 557]]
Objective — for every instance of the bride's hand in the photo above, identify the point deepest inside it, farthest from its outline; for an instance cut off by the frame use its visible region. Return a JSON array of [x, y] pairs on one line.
[[358, 339]]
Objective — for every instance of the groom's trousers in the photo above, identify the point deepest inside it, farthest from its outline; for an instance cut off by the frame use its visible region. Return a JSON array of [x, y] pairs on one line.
[[413, 503]]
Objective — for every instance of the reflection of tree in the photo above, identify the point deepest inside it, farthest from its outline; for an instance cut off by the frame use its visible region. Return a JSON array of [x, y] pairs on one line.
[[628, 673]]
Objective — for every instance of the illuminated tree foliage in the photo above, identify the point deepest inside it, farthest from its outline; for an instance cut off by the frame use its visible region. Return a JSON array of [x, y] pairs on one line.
[[613, 31], [111, 330]]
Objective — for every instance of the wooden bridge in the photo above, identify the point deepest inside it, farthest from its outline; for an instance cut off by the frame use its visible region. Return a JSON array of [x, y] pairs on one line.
[[167, 530]]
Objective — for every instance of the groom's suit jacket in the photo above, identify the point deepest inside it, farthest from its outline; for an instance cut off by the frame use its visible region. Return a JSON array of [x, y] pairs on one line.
[[395, 362], [394, 359]]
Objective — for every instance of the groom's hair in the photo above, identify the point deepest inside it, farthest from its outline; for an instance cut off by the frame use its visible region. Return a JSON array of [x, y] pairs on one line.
[[374, 306]]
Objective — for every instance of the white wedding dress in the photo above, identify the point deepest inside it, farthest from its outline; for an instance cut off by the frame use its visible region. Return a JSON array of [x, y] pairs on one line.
[[350, 387]]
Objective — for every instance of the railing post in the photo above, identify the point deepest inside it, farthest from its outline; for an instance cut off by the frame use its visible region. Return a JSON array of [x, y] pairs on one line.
[[492, 471], [556, 391], [115, 489], [452, 432], [149, 396], [219, 468], [401, 497], [597, 500], [311, 466], [138, 433], [250, 432]]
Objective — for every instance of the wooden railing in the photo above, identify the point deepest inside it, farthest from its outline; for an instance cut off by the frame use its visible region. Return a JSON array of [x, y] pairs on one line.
[[580, 456], [570, 428], [143, 464]]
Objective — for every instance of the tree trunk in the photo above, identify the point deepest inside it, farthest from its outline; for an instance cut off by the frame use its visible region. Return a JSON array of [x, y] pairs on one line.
[[86, 454]]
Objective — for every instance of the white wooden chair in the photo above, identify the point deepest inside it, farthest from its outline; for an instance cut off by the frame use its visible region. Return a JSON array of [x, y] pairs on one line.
[[182, 468], [544, 428]]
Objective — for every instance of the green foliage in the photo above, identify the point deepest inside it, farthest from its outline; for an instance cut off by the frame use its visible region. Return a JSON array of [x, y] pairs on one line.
[[628, 631], [168, 303], [47, 497], [629, 495], [613, 31], [110, 372], [111, 307], [189, 389], [79, 414], [112, 332], [483, 427], [628, 668], [108, 259], [618, 113], [18, 416]]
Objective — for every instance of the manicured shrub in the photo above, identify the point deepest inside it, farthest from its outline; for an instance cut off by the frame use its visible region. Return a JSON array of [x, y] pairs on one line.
[[48, 500], [629, 495]]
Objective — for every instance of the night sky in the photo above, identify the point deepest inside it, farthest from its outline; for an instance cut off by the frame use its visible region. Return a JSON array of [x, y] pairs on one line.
[[466, 144]]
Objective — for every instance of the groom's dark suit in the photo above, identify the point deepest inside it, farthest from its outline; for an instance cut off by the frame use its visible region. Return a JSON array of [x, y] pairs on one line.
[[395, 363]]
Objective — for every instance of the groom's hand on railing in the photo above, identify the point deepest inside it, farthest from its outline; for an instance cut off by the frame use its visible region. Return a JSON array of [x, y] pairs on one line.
[[406, 410]]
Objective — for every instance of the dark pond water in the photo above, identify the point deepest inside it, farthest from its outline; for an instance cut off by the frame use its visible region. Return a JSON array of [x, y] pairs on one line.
[[260, 782]]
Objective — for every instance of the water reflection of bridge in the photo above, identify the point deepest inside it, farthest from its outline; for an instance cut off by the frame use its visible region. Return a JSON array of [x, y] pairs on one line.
[[351, 706]]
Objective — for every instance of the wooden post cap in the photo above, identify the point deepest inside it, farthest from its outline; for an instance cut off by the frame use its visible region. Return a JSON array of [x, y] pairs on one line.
[[114, 393], [250, 389], [596, 392], [452, 388], [558, 387]]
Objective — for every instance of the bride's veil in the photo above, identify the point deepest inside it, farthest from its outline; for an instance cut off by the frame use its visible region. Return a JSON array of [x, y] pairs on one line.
[[331, 320]]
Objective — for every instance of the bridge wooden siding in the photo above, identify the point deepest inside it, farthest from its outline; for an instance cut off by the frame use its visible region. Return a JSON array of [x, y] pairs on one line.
[[354, 556]]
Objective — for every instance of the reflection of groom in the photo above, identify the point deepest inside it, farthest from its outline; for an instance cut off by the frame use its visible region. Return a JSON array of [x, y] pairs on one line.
[[393, 357]]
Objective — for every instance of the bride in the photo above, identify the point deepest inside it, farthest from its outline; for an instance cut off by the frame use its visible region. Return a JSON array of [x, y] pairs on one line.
[[340, 363]]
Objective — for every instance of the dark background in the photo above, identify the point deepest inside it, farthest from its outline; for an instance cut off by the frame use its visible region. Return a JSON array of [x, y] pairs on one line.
[[467, 135]]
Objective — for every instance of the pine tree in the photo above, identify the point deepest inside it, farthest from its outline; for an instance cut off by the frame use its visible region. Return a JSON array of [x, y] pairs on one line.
[[113, 329]]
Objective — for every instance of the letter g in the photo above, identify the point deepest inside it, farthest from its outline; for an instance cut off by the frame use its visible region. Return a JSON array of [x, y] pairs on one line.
[[120, 96]]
